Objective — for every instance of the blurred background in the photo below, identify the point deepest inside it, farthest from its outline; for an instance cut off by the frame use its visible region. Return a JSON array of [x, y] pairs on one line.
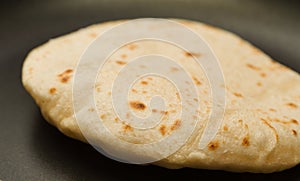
[[31, 149]]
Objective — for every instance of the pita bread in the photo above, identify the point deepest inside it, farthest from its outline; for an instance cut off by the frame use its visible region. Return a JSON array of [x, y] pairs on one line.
[[260, 129]]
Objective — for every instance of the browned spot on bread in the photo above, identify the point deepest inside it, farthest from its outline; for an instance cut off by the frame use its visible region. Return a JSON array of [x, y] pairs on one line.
[[187, 82], [237, 94], [154, 110], [213, 145], [259, 84], [149, 78], [246, 141], [121, 62], [127, 127], [91, 109], [137, 105], [163, 129], [241, 42], [173, 111], [123, 56], [273, 110], [164, 112], [132, 47], [233, 102], [176, 125], [64, 77], [144, 82], [103, 116], [65, 40], [292, 105], [116, 119], [294, 132], [263, 74], [128, 115], [133, 90], [277, 120], [211, 28], [52, 90], [196, 81], [294, 121], [177, 95], [195, 99], [98, 89], [174, 69], [187, 23], [270, 126], [191, 54], [282, 121], [46, 53], [68, 71], [225, 128], [109, 93], [144, 92], [93, 35], [255, 50], [252, 66], [277, 66], [263, 112], [30, 70]]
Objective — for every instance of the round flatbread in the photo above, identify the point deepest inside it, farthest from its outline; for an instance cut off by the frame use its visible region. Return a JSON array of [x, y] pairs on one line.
[[259, 132]]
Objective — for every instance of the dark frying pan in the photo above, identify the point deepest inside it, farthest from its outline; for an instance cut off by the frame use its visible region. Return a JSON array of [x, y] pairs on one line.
[[31, 149]]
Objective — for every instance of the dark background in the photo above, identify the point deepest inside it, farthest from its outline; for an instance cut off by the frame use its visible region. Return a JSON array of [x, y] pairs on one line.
[[31, 149]]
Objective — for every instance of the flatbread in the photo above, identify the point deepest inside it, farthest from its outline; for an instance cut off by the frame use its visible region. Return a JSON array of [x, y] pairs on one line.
[[260, 130]]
